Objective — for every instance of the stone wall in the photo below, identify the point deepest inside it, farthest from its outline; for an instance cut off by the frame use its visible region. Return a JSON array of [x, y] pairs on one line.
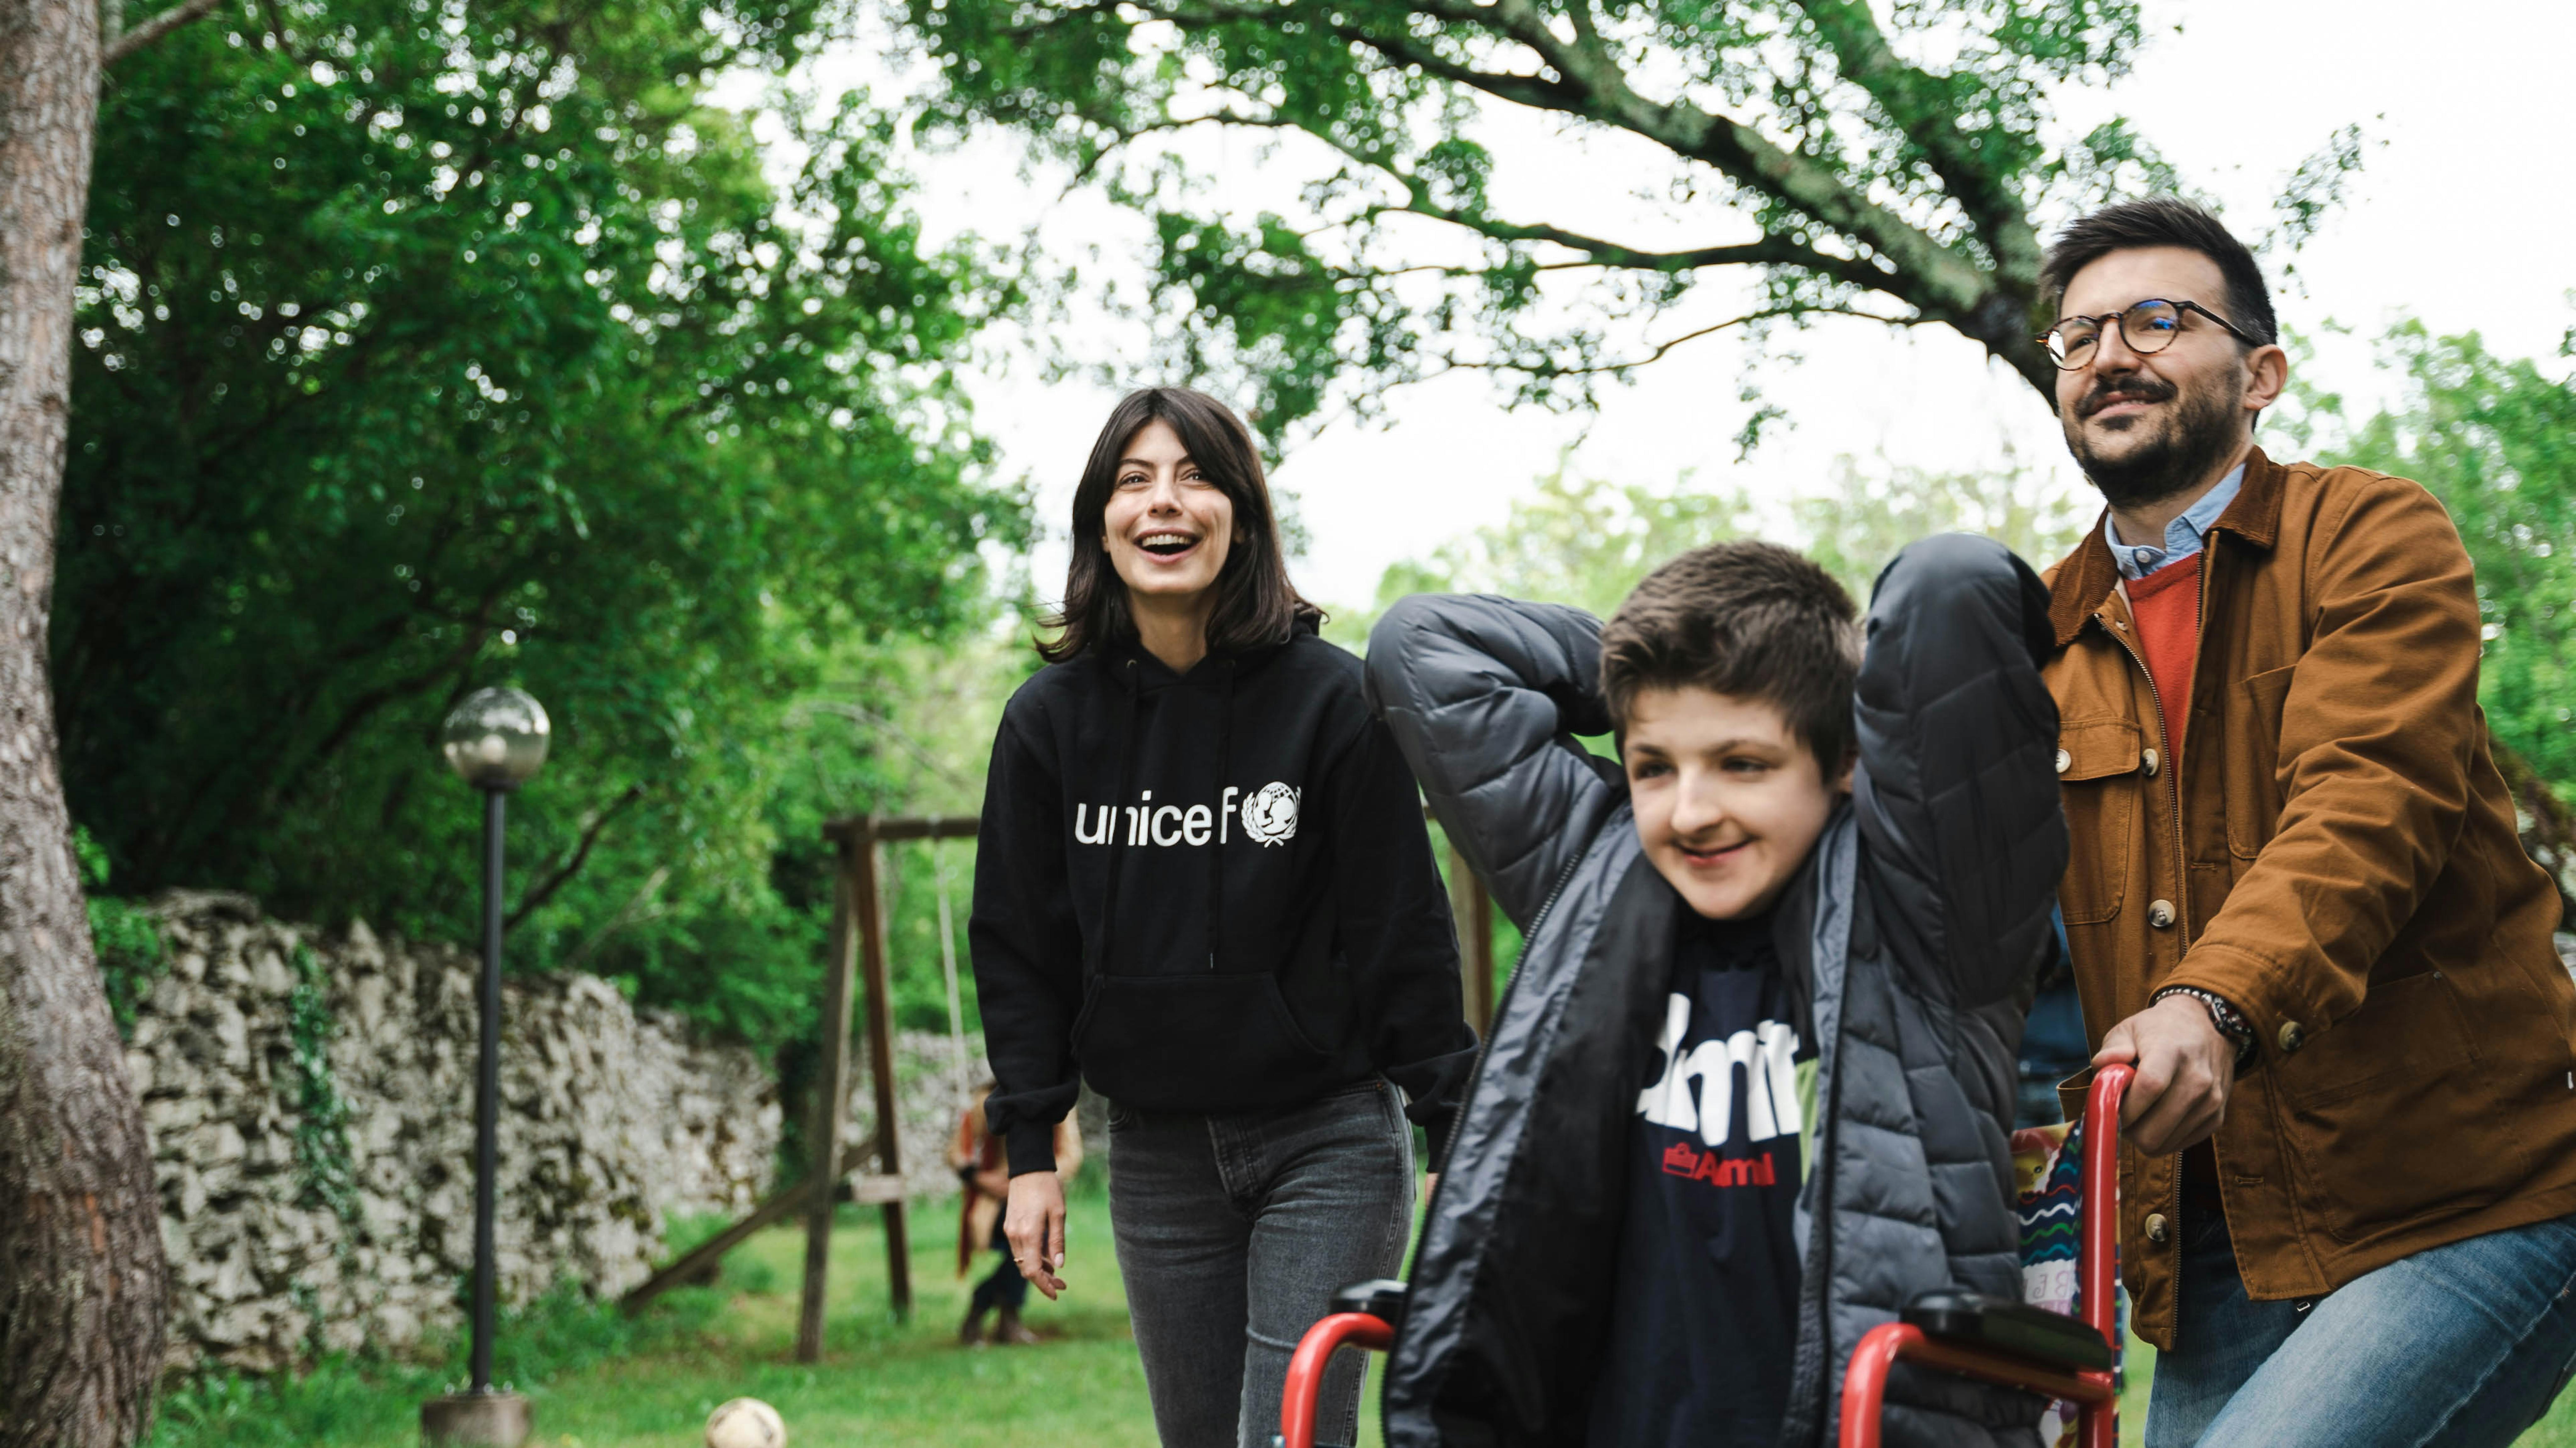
[[326, 1200], [310, 1098]]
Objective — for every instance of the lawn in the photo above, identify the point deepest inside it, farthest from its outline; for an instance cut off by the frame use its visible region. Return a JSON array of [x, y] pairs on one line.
[[600, 1381]]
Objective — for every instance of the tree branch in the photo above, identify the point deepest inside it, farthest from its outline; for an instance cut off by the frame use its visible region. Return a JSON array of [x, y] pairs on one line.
[[1119, 136], [1923, 108], [1769, 251], [637, 909], [153, 29], [1455, 364], [1536, 91], [866, 717], [1579, 73], [563, 873], [1925, 273]]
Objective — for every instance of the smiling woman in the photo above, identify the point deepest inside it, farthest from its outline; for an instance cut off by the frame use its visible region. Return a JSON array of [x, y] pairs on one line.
[[1168, 529], [1174, 537], [1203, 885]]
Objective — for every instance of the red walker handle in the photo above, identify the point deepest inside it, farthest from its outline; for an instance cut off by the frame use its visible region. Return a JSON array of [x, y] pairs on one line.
[[2097, 1272], [1306, 1370]]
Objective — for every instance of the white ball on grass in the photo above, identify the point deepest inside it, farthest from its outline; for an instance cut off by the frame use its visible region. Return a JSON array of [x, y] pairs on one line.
[[746, 1423]]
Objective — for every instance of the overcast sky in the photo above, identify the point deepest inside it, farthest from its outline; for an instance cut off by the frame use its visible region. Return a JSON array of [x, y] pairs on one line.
[[2461, 217]]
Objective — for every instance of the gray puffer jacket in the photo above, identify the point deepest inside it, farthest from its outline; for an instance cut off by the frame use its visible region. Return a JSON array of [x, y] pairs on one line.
[[1915, 932]]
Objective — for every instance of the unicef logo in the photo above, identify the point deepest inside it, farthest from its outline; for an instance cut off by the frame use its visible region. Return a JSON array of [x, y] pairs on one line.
[[1270, 814]]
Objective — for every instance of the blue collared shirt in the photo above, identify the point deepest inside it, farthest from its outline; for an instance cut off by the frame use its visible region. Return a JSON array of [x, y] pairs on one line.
[[2183, 536]]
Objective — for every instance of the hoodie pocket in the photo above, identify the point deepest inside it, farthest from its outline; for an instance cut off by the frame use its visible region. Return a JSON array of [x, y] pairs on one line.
[[1201, 1042]]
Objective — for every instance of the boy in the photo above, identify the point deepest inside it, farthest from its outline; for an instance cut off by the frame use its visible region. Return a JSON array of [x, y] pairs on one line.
[[1775, 968]]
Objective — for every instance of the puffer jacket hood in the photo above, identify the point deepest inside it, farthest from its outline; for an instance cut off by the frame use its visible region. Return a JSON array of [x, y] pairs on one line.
[[1916, 929]]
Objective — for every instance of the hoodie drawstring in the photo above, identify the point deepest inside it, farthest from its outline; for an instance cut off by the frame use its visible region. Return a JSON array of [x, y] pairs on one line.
[[1216, 847], [1117, 809]]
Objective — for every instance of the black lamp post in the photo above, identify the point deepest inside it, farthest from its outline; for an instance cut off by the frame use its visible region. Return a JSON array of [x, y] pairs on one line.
[[495, 740]]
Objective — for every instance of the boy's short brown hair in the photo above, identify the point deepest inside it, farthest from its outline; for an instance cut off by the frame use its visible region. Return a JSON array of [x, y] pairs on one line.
[[1748, 619]]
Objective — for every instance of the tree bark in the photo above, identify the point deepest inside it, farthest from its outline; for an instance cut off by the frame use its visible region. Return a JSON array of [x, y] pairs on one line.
[[83, 1287]]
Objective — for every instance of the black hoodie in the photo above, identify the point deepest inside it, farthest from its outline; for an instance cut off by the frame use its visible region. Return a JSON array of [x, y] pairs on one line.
[[1209, 892]]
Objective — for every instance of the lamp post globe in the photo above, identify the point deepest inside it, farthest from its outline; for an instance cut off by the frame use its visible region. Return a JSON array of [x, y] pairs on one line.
[[496, 739]]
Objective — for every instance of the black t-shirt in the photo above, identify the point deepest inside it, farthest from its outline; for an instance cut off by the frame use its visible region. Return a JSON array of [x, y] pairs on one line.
[[1703, 1320]]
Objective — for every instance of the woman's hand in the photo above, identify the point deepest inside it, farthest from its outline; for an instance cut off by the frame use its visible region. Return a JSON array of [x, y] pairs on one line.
[[1034, 1224]]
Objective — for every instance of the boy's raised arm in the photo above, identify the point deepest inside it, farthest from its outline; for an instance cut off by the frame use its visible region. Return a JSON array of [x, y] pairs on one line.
[[1485, 696], [1956, 787]]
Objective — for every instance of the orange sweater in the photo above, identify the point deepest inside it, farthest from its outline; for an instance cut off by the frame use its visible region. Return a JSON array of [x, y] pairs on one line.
[[2166, 604]]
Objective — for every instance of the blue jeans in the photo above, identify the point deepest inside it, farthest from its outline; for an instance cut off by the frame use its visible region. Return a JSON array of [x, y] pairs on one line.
[[2464, 1345], [1233, 1234]]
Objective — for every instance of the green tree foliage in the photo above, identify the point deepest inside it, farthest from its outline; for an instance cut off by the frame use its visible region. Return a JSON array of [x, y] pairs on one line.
[[1863, 518], [914, 737], [1890, 161], [1588, 541], [429, 345], [1583, 541], [127, 941]]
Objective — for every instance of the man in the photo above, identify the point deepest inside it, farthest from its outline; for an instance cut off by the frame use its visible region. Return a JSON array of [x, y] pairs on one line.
[[2295, 899]]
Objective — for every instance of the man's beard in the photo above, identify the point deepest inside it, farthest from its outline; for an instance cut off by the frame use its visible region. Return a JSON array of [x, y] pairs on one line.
[[2197, 434]]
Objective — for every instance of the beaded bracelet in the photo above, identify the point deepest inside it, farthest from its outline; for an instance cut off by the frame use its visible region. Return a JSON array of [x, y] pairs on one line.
[[2231, 1023]]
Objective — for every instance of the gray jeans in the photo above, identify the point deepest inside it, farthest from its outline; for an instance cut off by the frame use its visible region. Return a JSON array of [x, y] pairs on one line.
[[1233, 1234]]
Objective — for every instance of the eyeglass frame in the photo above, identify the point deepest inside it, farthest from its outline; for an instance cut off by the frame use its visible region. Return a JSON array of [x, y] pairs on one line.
[[2115, 319]]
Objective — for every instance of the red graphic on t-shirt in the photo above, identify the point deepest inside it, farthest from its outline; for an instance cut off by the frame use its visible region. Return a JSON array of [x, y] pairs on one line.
[[1681, 1159]]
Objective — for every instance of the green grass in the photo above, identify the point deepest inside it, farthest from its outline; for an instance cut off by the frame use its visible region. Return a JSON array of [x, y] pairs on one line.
[[599, 1380]]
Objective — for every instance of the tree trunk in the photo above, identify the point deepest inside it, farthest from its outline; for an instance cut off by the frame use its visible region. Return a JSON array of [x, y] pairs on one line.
[[82, 1282]]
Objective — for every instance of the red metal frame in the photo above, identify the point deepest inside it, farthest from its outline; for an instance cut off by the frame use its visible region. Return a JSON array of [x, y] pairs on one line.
[[1306, 1370], [2095, 1394]]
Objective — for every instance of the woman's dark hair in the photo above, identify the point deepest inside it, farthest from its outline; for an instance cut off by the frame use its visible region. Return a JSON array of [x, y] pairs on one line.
[[1255, 603]]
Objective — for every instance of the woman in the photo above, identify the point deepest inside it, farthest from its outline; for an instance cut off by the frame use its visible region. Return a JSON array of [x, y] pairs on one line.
[[1204, 886]]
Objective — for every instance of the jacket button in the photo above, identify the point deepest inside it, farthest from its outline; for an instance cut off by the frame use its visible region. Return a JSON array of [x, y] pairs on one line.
[[2292, 1037], [2160, 914], [2065, 761], [2150, 763], [2156, 1228]]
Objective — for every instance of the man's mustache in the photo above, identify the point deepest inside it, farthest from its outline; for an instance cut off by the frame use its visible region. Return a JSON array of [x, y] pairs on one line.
[[2127, 389]]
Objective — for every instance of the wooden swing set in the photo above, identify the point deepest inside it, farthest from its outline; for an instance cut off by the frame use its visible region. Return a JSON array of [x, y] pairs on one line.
[[857, 964]]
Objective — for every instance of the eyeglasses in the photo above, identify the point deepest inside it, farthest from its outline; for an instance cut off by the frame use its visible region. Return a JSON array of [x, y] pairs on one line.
[[2146, 327]]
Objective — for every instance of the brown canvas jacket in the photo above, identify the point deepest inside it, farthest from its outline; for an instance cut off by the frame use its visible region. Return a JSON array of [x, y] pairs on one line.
[[2334, 853]]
